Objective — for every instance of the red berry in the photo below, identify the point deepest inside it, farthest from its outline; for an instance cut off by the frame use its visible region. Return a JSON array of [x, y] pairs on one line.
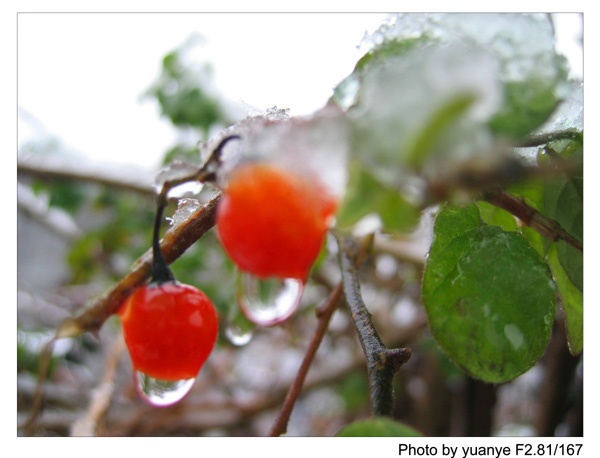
[[272, 221], [170, 329]]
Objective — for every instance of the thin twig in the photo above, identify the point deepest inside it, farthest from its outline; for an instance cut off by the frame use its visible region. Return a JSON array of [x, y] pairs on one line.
[[87, 425], [547, 227], [38, 397], [382, 362], [326, 311], [543, 139]]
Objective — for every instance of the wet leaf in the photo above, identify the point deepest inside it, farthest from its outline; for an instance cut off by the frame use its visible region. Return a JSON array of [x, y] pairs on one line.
[[527, 105], [488, 295], [378, 427], [563, 202], [572, 302]]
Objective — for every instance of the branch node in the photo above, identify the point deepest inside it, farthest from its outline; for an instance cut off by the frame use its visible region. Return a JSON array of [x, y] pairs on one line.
[[398, 357]]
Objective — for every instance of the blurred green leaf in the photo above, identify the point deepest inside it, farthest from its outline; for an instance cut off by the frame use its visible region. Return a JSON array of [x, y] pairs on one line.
[[572, 301], [488, 295], [527, 105], [181, 152], [389, 49], [532, 193], [494, 216], [182, 95], [563, 202], [354, 390], [432, 132], [378, 427], [365, 195]]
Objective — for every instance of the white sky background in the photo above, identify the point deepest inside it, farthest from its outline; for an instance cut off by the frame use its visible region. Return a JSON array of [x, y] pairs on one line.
[[82, 75]]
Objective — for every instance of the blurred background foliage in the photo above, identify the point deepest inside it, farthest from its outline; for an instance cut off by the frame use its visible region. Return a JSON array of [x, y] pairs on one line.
[[91, 231]]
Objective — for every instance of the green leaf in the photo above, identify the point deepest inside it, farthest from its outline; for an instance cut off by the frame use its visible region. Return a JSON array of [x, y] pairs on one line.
[[378, 427], [365, 195], [527, 105], [344, 93], [388, 50], [532, 193], [453, 222], [572, 302], [489, 296], [354, 390], [563, 202], [495, 216], [431, 133]]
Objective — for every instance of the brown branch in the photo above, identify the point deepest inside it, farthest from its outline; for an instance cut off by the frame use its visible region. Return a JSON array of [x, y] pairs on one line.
[[38, 396], [325, 313], [61, 170], [561, 367], [382, 362], [547, 227], [175, 242]]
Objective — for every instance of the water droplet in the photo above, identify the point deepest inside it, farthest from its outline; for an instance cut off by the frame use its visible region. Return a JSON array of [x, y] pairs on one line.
[[179, 170], [162, 393], [514, 335], [271, 301], [238, 336]]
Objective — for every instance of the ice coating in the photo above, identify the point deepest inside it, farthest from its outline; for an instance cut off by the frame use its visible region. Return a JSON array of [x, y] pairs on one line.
[[185, 208], [315, 147], [399, 100], [522, 43], [178, 170], [569, 114]]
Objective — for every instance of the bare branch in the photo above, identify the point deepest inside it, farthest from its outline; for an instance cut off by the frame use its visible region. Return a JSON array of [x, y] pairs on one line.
[[547, 227], [326, 311], [52, 169], [87, 425], [382, 362]]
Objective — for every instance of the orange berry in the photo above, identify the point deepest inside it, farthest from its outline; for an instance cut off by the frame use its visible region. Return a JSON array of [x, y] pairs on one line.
[[272, 222], [170, 330]]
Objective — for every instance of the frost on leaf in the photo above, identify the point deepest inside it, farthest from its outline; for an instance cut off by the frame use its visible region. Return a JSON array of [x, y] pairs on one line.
[[437, 90], [424, 106]]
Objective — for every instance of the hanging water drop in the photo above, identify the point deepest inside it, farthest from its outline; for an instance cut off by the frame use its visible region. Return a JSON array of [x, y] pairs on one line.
[[271, 301], [238, 336], [162, 393], [175, 172]]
